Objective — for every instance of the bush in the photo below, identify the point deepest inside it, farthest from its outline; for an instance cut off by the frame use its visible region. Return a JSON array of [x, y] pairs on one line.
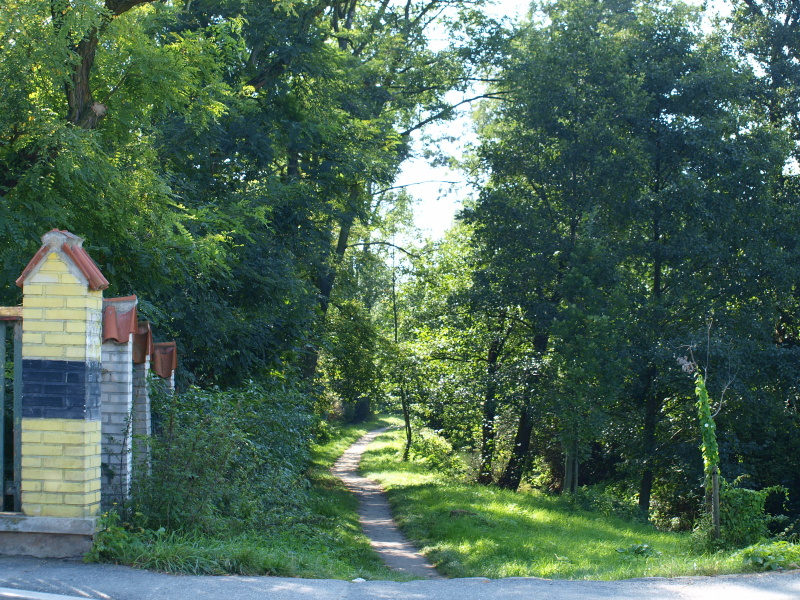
[[606, 501], [224, 460], [771, 556], [743, 520], [436, 453]]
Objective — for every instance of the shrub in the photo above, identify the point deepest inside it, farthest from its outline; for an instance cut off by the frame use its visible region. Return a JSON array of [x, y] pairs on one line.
[[743, 519], [436, 453], [606, 501], [224, 460], [771, 556]]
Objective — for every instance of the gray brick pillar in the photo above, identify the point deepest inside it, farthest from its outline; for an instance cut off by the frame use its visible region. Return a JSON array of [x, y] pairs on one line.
[[140, 417], [141, 400], [116, 389]]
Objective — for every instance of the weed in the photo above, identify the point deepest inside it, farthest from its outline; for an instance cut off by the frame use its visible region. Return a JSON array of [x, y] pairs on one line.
[[771, 556], [639, 551]]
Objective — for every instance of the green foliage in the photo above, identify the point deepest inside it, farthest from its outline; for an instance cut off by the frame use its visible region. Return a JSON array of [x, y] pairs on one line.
[[225, 460], [708, 429], [771, 556], [211, 152], [436, 453], [743, 518]]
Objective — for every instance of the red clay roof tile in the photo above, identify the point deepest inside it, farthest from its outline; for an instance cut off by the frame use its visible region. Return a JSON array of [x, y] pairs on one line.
[[72, 246], [142, 343], [165, 359], [119, 319]]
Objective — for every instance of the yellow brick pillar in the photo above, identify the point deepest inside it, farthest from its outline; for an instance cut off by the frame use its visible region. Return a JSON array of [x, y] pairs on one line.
[[61, 351]]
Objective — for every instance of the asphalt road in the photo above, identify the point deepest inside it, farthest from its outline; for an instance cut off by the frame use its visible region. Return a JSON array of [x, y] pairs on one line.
[[109, 582]]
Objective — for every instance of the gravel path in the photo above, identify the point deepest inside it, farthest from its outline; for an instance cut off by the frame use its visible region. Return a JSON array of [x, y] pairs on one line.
[[376, 518]]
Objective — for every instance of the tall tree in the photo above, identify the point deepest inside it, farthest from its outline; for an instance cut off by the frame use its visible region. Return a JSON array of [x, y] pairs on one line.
[[629, 179]]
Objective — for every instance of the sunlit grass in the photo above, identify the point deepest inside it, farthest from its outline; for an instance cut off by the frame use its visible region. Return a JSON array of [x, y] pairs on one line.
[[503, 534]]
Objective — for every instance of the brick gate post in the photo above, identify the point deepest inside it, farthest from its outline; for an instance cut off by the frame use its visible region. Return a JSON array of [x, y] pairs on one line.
[[61, 351]]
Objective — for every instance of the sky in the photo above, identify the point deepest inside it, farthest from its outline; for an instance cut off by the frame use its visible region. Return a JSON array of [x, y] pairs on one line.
[[439, 190]]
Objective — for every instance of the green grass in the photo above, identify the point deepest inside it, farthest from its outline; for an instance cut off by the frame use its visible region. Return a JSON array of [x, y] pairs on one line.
[[497, 534], [327, 543], [526, 534]]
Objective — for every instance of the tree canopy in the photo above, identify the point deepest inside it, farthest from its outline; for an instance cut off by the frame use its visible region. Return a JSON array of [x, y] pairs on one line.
[[233, 164]]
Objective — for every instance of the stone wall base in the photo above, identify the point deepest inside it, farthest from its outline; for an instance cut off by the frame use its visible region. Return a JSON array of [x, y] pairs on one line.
[[45, 537]]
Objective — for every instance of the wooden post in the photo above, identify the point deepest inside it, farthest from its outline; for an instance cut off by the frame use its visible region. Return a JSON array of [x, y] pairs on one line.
[[17, 416], [715, 500], [2, 415]]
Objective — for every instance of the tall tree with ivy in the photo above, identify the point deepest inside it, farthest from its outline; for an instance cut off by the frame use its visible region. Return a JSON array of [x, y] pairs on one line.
[[630, 173]]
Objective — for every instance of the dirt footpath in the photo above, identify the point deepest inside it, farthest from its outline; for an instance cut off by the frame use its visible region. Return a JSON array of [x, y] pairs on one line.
[[376, 519]]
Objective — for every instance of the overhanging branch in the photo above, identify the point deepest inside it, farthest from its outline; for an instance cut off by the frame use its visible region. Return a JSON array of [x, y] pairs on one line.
[[403, 250], [444, 111]]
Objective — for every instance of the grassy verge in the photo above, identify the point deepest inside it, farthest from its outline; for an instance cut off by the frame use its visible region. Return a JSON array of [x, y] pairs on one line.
[[326, 543], [475, 531]]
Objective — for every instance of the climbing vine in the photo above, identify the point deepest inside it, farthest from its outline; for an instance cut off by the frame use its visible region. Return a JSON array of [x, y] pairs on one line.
[[708, 428]]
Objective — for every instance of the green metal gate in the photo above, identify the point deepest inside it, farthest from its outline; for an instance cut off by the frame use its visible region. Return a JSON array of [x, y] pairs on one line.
[[11, 407]]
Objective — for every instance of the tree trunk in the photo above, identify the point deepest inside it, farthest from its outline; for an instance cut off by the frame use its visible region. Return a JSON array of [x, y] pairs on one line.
[[83, 111], [645, 490], [568, 472], [512, 475], [406, 420], [575, 465], [571, 470], [652, 406], [489, 413], [324, 285]]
